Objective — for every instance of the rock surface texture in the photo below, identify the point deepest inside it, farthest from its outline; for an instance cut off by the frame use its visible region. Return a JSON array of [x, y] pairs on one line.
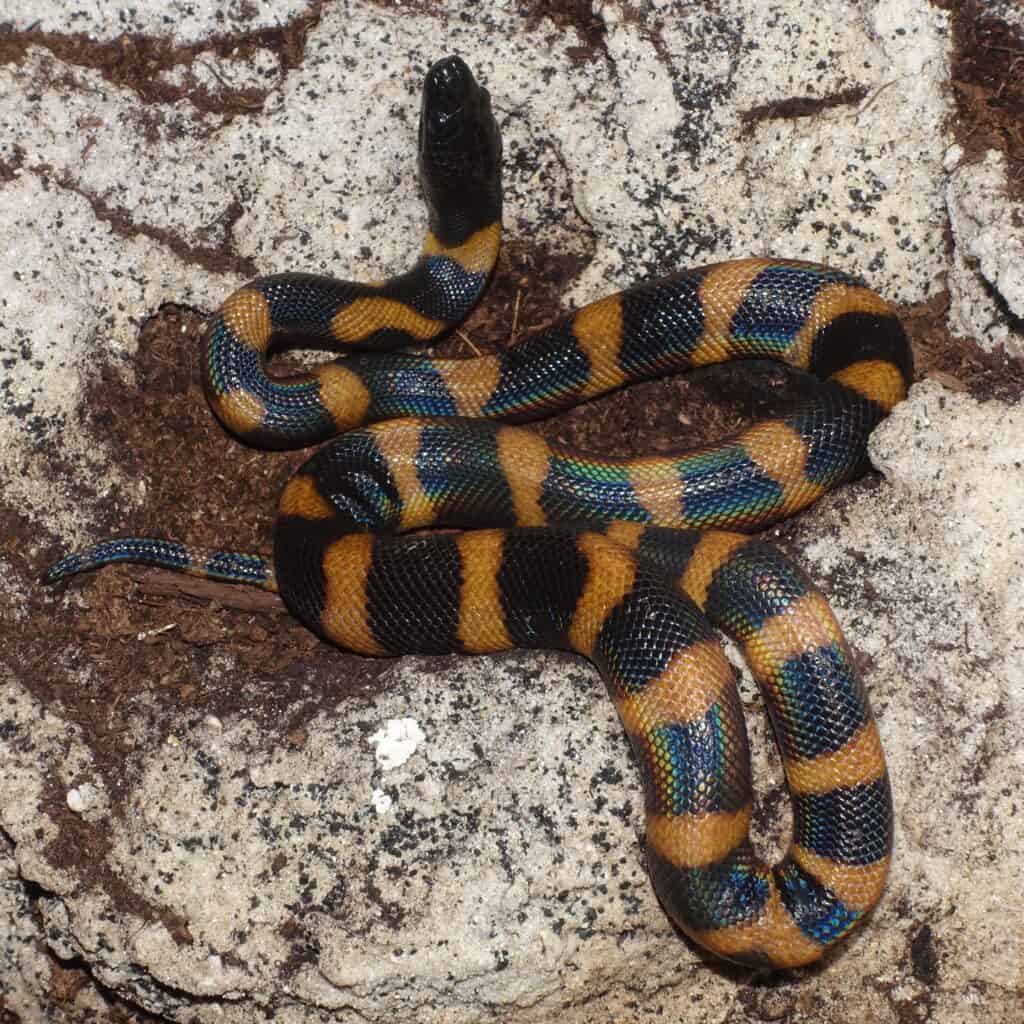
[[206, 815]]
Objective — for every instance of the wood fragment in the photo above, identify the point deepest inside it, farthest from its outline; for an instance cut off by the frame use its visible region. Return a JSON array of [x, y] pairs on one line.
[[161, 583]]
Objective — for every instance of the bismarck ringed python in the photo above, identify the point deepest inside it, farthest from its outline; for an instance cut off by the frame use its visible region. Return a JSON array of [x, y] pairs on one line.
[[626, 562]]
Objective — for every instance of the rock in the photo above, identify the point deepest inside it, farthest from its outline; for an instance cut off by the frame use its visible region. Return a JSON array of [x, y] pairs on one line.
[[987, 280], [219, 840], [927, 573]]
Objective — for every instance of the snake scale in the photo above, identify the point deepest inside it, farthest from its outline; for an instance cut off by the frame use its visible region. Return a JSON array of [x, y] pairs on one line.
[[631, 563]]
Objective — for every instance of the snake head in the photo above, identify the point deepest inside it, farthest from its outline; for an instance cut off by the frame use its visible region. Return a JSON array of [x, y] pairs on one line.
[[459, 148]]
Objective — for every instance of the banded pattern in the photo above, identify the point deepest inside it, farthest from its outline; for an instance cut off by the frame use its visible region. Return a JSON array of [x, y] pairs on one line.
[[802, 314], [640, 602], [630, 563], [460, 157]]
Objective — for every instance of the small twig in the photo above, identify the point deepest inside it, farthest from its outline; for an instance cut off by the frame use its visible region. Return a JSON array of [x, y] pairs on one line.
[[469, 341], [160, 583], [515, 317], [1006, 77], [148, 633], [874, 96]]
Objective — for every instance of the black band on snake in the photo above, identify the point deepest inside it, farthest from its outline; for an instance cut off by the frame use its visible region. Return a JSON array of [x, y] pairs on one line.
[[631, 563]]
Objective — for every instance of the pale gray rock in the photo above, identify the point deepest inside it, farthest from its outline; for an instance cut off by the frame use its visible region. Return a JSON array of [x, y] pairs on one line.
[[927, 574], [496, 873], [987, 280], [184, 21]]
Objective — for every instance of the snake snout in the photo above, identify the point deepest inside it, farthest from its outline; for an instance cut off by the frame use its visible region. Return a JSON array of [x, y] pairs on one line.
[[456, 114], [449, 84], [450, 104]]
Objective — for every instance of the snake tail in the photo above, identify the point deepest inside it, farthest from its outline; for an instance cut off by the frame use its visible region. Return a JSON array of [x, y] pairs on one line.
[[225, 566]]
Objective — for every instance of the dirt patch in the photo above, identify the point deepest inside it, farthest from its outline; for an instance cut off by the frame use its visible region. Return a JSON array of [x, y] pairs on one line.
[[802, 106], [133, 626], [141, 63], [116, 637], [152, 632], [959, 363], [988, 86], [524, 294], [566, 14]]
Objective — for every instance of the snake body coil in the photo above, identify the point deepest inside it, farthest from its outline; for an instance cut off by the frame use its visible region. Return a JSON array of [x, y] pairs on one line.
[[623, 561]]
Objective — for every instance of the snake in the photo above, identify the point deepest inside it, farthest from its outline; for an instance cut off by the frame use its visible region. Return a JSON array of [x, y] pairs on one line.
[[634, 563]]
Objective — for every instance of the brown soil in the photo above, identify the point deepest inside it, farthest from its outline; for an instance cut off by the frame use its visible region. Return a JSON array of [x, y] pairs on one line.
[[139, 62], [988, 86]]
